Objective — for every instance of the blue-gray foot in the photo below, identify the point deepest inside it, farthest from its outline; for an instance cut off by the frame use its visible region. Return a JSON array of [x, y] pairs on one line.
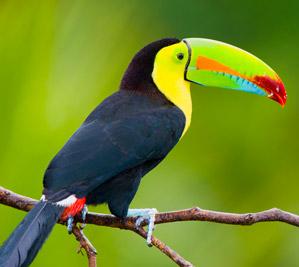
[[69, 224], [147, 215], [83, 214]]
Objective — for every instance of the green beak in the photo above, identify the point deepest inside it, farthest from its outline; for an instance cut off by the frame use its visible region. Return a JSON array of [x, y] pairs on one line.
[[216, 64]]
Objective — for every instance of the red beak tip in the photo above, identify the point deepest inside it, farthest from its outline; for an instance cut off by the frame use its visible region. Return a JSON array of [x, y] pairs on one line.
[[274, 87], [279, 98]]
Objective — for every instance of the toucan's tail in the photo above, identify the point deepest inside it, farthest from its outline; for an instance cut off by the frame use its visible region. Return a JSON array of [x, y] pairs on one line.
[[21, 247]]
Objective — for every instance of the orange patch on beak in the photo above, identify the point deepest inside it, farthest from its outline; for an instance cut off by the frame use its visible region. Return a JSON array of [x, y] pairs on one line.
[[204, 63]]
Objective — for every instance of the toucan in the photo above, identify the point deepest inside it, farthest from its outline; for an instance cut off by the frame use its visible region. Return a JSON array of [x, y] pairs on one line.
[[132, 131]]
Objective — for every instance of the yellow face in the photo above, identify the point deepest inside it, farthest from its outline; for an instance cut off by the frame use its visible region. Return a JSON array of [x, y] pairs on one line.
[[169, 76]]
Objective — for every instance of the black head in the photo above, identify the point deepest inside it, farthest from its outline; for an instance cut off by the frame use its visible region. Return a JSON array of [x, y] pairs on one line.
[[138, 76]]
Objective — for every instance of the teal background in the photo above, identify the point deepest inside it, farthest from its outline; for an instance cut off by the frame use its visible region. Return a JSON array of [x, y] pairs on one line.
[[59, 59]]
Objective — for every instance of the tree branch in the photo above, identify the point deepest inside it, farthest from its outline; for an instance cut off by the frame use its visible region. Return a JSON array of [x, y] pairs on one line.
[[194, 214], [91, 252]]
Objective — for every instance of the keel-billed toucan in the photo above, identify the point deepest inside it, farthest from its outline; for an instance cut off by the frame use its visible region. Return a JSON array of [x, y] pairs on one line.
[[132, 131]]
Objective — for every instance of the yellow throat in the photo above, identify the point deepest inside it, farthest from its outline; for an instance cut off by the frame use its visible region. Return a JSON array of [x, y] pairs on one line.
[[168, 75]]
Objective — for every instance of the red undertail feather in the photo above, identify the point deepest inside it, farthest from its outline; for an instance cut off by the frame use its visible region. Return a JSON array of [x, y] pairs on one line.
[[73, 209]]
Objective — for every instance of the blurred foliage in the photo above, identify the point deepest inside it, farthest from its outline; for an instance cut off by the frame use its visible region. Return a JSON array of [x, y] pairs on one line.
[[59, 59]]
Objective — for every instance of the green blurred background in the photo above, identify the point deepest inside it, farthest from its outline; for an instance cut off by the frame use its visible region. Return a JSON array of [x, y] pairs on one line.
[[59, 59]]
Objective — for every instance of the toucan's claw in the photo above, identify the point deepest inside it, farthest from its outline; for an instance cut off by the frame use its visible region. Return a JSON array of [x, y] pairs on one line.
[[83, 214], [145, 215], [70, 224]]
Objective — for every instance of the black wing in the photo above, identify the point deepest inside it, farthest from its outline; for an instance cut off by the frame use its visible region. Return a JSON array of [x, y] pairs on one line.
[[99, 150]]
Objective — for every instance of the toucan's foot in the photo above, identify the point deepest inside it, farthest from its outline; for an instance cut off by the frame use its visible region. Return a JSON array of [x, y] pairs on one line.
[[83, 214], [147, 215], [70, 224]]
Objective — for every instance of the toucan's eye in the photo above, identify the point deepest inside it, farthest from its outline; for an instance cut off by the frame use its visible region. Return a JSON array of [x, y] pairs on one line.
[[180, 56]]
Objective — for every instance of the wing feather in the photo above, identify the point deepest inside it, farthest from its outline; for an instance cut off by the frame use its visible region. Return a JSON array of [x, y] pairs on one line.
[[99, 151]]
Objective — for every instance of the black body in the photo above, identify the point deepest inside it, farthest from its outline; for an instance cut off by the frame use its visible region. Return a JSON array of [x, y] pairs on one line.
[[121, 140]]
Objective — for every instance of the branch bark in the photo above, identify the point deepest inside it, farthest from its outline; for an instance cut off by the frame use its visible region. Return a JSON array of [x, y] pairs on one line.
[[20, 202], [91, 252]]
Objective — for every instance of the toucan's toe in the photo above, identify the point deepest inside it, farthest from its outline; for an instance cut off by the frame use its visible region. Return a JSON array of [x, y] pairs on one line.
[[83, 214], [70, 224], [145, 215]]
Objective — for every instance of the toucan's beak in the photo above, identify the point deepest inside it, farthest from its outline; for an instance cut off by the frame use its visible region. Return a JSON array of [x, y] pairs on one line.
[[213, 63]]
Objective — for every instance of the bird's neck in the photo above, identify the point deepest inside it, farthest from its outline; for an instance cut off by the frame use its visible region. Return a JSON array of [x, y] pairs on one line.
[[158, 85], [177, 90], [138, 80]]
